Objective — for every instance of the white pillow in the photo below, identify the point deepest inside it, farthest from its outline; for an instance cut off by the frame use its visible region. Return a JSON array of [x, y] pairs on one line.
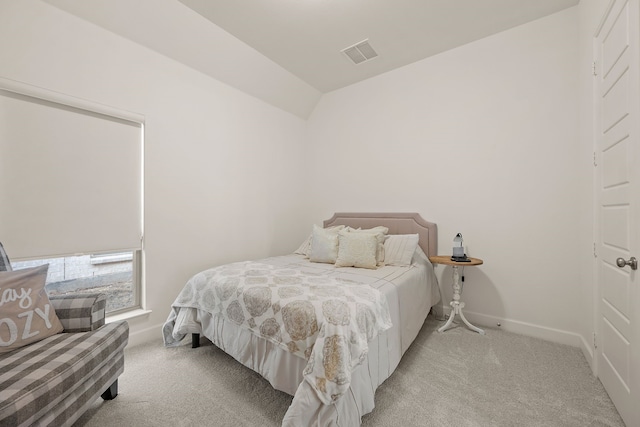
[[357, 250], [324, 244], [380, 233], [399, 249], [420, 256], [305, 247], [378, 229]]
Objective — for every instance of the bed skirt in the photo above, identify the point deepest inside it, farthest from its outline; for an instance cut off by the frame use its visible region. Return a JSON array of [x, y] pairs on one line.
[[284, 370]]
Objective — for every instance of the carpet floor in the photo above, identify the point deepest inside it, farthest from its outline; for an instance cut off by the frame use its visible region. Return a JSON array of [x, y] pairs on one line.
[[455, 378]]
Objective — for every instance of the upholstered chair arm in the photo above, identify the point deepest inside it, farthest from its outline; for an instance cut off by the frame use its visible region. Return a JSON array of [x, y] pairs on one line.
[[80, 312]]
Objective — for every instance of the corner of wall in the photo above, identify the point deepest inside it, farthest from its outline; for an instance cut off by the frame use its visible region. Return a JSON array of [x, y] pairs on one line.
[[588, 353]]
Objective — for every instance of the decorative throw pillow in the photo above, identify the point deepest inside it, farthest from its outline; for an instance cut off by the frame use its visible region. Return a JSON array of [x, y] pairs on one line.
[[399, 249], [381, 235], [357, 250], [26, 314], [304, 248], [324, 244]]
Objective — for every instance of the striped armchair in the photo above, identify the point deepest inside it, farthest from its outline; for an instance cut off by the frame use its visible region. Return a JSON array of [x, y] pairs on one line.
[[80, 312], [54, 381]]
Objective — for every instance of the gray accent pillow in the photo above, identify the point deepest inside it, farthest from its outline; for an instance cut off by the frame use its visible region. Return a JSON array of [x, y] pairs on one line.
[[27, 314]]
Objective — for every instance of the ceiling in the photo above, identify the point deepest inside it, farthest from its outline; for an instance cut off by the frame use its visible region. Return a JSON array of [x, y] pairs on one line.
[[288, 52], [306, 37]]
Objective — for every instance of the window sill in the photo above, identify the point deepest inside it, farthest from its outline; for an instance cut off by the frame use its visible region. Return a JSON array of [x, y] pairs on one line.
[[128, 315], [110, 258]]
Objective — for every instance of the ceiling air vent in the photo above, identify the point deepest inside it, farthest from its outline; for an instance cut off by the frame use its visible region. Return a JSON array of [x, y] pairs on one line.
[[360, 52]]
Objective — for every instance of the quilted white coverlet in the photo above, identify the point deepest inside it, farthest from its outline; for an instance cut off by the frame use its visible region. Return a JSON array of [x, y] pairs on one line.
[[326, 320], [409, 291]]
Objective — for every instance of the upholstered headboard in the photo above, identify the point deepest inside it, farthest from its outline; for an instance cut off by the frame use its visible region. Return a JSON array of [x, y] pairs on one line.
[[397, 223]]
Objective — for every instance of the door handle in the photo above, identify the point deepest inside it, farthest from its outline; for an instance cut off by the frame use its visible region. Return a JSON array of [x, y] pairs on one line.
[[633, 263]]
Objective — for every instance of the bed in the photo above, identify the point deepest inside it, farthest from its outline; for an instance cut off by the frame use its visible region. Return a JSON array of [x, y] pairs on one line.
[[333, 360]]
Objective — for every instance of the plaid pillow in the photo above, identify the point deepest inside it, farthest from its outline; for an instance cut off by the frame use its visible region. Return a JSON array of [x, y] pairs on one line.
[[5, 264]]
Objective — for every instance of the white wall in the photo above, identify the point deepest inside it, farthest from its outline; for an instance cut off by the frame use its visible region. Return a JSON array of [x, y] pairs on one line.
[[482, 140], [219, 163], [491, 139], [170, 28]]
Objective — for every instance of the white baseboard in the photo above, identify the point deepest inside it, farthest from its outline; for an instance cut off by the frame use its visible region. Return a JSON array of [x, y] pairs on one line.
[[138, 336], [529, 329], [146, 335], [588, 352]]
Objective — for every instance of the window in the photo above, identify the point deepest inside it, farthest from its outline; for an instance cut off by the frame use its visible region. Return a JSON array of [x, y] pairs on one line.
[[71, 183], [112, 274]]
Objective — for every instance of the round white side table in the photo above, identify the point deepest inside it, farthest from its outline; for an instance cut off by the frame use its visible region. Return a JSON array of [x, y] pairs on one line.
[[456, 304]]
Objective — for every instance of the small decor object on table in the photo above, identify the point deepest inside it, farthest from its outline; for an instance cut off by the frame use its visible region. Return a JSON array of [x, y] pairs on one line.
[[456, 304]]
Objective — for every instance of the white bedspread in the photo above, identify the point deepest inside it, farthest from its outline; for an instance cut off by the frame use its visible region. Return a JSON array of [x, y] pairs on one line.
[[409, 292], [324, 319]]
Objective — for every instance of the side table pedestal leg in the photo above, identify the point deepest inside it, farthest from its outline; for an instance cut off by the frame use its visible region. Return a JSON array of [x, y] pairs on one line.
[[473, 328], [457, 305], [454, 310]]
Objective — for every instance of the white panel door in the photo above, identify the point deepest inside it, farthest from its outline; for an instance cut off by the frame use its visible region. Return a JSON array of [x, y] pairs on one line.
[[618, 187]]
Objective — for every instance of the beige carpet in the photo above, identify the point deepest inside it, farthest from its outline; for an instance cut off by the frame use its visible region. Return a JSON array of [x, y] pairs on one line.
[[455, 378]]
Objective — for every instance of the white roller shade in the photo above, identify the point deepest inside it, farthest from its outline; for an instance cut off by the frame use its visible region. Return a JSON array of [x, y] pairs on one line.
[[70, 178]]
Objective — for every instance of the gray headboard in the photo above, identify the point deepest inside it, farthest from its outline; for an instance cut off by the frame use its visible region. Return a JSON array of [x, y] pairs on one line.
[[398, 223]]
